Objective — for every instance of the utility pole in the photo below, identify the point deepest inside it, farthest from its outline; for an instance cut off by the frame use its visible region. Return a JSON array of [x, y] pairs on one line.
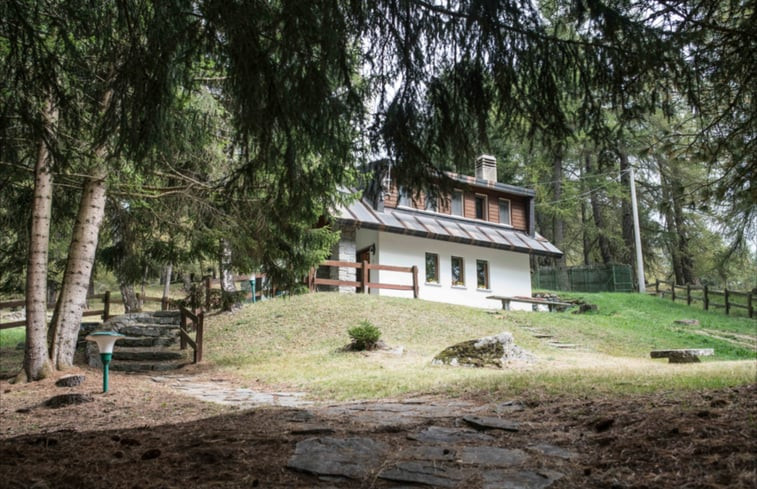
[[636, 232]]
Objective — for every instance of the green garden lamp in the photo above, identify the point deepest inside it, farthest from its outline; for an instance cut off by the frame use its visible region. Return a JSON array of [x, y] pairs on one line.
[[105, 341]]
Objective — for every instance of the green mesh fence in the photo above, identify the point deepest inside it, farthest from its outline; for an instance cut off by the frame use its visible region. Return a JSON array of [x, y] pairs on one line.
[[592, 278]]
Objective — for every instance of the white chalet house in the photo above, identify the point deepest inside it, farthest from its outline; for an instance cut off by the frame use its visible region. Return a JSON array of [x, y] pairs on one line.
[[467, 246]]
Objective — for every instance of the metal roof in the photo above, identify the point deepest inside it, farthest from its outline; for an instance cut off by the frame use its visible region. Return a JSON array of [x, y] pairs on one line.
[[481, 183], [425, 224]]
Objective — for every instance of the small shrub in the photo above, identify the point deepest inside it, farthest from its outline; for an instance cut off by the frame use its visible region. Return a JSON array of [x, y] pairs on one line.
[[364, 336]]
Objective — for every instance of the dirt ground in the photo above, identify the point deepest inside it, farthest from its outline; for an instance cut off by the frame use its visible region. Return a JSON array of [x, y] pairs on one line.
[[143, 434]]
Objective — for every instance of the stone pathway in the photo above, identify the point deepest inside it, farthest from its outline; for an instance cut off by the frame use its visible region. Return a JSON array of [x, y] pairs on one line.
[[416, 442], [222, 392], [550, 339]]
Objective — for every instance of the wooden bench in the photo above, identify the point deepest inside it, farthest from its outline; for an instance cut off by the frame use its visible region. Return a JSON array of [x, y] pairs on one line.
[[686, 355], [551, 305]]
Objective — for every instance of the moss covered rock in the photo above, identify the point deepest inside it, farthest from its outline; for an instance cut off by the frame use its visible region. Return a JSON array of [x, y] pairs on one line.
[[491, 351]]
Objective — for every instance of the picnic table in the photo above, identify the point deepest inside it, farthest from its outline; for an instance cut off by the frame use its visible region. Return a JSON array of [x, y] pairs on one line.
[[551, 305]]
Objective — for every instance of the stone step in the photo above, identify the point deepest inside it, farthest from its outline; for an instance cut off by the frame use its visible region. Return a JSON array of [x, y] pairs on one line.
[[564, 346], [126, 366], [148, 354], [154, 330], [146, 341]]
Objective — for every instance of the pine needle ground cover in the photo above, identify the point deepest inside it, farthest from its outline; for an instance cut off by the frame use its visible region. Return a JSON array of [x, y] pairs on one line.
[[298, 343]]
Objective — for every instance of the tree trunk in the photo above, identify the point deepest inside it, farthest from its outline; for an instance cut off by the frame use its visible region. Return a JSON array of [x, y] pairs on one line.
[[81, 256], [36, 360], [167, 283], [629, 243], [671, 235], [599, 222], [687, 261], [129, 297], [558, 223], [585, 236], [228, 288]]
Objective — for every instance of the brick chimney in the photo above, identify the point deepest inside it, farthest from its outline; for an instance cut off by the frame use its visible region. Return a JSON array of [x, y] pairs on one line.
[[486, 168]]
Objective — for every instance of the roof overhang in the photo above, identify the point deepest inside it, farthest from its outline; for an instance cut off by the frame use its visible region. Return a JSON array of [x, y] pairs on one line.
[[431, 225]]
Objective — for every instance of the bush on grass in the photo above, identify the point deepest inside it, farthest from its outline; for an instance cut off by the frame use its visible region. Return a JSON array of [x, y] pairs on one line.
[[365, 336]]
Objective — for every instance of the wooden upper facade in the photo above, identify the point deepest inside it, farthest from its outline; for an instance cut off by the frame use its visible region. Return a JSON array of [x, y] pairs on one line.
[[481, 200]]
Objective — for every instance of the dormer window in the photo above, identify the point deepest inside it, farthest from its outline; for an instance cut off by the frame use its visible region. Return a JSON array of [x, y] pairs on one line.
[[430, 203], [481, 207], [405, 198], [504, 212]]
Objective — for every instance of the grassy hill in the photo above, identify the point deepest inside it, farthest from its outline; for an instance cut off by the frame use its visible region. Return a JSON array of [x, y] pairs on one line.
[[297, 343]]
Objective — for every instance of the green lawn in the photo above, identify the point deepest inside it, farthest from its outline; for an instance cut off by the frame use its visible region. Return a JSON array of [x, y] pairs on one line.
[[295, 342]]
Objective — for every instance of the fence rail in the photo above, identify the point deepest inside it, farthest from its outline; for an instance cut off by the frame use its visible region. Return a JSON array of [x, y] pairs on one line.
[[664, 288], [364, 284], [104, 312]]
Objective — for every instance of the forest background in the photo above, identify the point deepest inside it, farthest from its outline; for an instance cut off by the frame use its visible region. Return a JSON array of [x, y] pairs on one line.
[[147, 138]]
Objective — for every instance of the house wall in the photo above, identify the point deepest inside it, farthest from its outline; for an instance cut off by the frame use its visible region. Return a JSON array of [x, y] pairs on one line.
[[509, 272], [344, 250], [518, 205]]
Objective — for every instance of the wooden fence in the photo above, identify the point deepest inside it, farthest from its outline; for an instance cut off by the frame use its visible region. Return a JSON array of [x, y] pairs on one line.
[[363, 284], [710, 298], [104, 312], [192, 321]]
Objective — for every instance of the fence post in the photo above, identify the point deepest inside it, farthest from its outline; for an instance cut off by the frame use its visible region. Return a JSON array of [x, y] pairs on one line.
[[207, 293], [198, 336], [706, 299], [727, 304], [749, 305], [673, 290], [164, 304], [688, 294], [415, 281], [106, 305], [364, 277], [183, 326]]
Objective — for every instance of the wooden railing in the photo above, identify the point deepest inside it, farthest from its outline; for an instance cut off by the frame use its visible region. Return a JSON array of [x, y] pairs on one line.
[[710, 298], [192, 321], [363, 283], [104, 312]]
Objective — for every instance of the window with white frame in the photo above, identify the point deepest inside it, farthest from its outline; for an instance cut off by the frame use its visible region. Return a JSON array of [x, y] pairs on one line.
[[504, 211], [457, 268]]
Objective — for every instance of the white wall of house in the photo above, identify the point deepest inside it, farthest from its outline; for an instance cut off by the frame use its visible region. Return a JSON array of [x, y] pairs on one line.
[[509, 272]]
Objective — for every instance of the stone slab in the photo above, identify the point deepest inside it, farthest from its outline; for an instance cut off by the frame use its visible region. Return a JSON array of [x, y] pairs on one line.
[[491, 423], [423, 472], [436, 434], [354, 458], [70, 381], [685, 355]]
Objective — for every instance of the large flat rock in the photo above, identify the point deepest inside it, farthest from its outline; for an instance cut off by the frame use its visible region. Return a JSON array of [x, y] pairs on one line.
[[354, 458], [436, 434]]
